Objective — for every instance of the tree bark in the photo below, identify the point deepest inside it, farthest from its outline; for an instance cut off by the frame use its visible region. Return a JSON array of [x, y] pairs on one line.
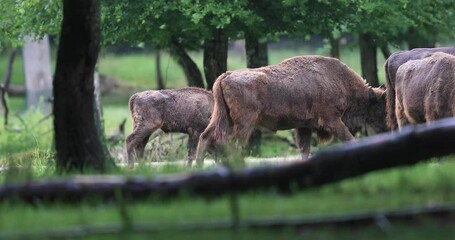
[[215, 56], [334, 47], [78, 143], [411, 145], [191, 70], [256, 56], [368, 59], [159, 77], [98, 107], [38, 74], [256, 52]]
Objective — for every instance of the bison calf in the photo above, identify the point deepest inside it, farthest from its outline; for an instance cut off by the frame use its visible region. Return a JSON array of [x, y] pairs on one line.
[[185, 110], [308, 93], [425, 89]]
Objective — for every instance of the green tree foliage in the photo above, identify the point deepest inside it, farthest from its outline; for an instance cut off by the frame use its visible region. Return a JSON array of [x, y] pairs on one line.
[[178, 26], [28, 17], [322, 17], [430, 21], [389, 20], [160, 23], [156, 23]]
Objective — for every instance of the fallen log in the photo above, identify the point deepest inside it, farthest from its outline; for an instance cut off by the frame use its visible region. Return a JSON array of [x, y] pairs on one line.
[[16, 90], [411, 145], [107, 86]]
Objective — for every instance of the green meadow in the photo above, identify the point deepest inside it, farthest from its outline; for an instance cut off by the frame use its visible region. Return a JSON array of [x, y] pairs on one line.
[[26, 150]]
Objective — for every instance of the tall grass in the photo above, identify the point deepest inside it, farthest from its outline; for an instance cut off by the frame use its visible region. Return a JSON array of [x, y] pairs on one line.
[[26, 144]]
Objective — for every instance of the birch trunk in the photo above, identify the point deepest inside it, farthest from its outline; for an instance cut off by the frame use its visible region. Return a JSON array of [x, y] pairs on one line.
[[38, 74]]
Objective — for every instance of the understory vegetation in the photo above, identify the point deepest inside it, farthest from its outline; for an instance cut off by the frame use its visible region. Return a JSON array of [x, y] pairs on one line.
[[27, 154]]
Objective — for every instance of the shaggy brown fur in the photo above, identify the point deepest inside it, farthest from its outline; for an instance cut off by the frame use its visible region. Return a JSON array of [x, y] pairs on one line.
[[391, 66], [425, 89], [185, 110], [309, 93]]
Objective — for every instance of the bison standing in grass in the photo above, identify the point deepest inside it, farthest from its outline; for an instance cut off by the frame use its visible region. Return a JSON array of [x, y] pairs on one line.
[[425, 89], [308, 93], [185, 110], [391, 67]]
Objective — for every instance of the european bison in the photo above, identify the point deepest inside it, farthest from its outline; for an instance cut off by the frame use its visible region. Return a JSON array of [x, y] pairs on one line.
[[185, 110], [308, 93], [391, 66], [425, 89]]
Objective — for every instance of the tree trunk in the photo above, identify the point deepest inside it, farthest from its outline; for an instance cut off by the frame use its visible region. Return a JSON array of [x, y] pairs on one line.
[[5, 86], [417, 40], [368, 59], [334, 47], [98, 107], [9, 69], [77, 139], [159, 77], [256, 56], [192, 73], [38, 74], [256, 52], [386, 51], [215, 56]]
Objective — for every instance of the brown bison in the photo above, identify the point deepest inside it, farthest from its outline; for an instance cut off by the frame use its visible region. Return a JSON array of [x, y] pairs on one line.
[[185, 110], [391, 67], [308, 93], [425, 89]]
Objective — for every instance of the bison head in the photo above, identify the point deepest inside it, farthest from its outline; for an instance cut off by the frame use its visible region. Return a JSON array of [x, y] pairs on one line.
[[376, 116]]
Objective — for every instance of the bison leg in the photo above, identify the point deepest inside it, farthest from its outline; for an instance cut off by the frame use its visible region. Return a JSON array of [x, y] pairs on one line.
[[340, 130], [242, 131], [191, 146], [202, 146], [400, 114], [303, 141], [243, 128], [136, 141]]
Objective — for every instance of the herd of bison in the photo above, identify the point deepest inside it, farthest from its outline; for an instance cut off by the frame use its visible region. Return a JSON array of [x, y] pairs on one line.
[[305, 93]]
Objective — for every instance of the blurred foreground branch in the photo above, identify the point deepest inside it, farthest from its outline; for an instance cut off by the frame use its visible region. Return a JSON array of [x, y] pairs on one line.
[[411, 145]]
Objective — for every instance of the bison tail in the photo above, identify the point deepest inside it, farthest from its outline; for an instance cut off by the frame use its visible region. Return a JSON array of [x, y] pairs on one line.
[[324, 136], [219, 121], [390, 95], [131, 105], [131, 102]]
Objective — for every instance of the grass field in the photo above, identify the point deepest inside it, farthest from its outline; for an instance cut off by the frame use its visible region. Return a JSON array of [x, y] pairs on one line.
[[26, 148], [425, 184], [139, 70]]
